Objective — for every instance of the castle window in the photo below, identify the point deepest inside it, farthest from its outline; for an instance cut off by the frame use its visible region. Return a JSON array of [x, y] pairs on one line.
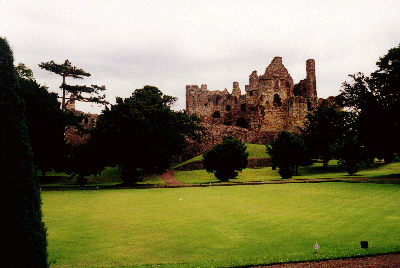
[[252, 109], [205, 104], [216, 114], [277, 101], [227, 123], [228, 108], [251, 93], [243, 107], [241, 122]]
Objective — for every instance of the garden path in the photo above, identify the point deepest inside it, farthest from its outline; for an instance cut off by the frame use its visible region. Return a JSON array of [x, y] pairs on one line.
[[170, 180]]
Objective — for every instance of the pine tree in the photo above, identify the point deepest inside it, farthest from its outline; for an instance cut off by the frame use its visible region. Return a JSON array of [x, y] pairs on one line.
[[77, 92]]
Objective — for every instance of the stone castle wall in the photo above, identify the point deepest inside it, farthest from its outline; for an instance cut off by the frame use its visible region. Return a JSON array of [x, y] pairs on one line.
[[271, 102]]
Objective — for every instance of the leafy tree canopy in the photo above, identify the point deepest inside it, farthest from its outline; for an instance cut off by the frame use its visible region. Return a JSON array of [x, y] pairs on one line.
[[142, 133], [226, 159], [376, 102], [322, 128]]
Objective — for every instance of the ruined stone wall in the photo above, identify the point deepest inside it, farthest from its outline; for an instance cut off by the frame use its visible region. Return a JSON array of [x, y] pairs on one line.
[[72, 136], [271, 103]]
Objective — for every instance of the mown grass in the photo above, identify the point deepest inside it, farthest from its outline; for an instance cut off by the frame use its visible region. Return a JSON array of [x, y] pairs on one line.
[[334, 171], [110, 176], [220, 226], [254, 150]]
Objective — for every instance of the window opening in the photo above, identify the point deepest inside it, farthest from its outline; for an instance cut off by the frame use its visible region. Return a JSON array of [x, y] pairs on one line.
[[241, 122], [216, 114], [277, 101]]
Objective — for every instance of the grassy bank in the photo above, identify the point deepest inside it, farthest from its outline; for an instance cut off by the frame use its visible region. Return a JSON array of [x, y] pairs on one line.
[[220, 226]]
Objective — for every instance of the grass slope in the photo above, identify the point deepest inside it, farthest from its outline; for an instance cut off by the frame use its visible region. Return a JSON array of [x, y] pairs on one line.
[[254, 150], [220, 226]]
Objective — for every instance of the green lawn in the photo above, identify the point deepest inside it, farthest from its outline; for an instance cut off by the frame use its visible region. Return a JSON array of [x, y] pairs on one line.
[[334, 171], [254, 150], [220, 226]]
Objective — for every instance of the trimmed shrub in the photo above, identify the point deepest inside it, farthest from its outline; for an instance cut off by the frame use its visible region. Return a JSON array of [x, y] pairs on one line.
[[226, 159]]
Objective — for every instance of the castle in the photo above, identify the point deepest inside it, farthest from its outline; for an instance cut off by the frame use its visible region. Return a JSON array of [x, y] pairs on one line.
[[271, 103]]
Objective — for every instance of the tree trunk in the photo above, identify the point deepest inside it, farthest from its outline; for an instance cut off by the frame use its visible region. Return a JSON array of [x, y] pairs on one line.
[[325, 162], [63, 97]]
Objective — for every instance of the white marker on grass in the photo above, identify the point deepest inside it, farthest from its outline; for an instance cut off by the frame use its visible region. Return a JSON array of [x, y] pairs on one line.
[[316, 246]]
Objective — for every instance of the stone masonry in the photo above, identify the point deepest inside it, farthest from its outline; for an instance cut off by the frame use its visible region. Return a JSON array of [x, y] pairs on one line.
[[271, 103]]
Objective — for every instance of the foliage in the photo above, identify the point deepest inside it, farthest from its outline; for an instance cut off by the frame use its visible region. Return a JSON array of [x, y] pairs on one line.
[[288, 153], [22, 232], [142, 133], [350, 153], [361, 97], [46, 122], [226, 159], [322, 128], [23, 71], [376, 100], [80, 93], [83, 161]]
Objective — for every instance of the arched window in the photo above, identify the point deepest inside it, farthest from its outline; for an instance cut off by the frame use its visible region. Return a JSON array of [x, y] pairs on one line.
[[243, 107], [228, 108]]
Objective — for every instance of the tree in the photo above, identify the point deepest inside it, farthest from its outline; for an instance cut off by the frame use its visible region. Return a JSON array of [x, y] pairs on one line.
[[360, 97], [22, 232], [77, 92], [322, 128], [83, 161], [226, 159], [288, 153], [376, 102], [349, 152], [23, 71], [386, 84], [46, 122], [142, 133]]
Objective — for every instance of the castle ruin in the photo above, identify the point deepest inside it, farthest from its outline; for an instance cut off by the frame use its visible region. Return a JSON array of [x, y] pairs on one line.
[[271, 103]]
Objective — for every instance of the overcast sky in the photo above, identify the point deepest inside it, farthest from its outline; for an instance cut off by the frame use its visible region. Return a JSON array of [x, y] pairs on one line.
[[126, 44]]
